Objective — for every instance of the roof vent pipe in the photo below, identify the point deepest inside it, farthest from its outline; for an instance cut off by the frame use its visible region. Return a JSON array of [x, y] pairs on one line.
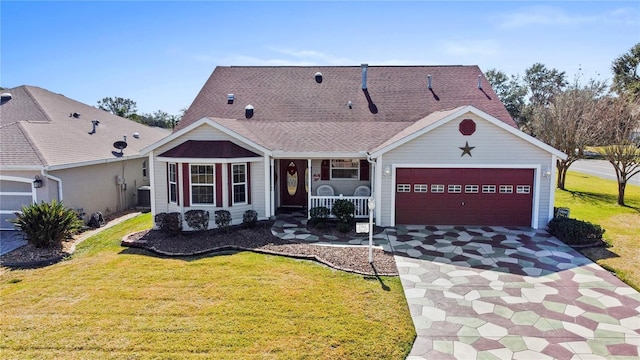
[[480, 82], [429, 81], [95, 123], [364, 76]]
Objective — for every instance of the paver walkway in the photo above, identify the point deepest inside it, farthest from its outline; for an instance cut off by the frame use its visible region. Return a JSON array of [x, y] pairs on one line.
[[499, 293]]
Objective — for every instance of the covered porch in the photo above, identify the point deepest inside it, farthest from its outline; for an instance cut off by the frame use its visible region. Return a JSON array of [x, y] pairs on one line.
[[312, 183]]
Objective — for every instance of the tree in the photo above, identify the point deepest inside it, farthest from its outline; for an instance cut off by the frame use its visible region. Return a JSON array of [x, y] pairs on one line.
[[626, 79], [622, 117], [119, 106], [511, 92], [543, 83], [569, 120]]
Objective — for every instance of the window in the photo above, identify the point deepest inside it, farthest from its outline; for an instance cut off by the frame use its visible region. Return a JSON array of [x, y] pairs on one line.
[[144, 168], [345, 169], [488, 189], [438, 188], [173, 183], [471, 189], [403, 188], [506, 189], [239, 183], [420, 188], [202, 184], [523, 189], [454, 189]]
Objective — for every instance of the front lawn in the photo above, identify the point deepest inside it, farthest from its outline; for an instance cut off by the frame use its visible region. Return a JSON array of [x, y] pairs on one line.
[[112, 302], [594, 199]]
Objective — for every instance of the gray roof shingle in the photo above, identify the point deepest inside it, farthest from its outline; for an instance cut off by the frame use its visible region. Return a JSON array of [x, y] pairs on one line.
[[37, 122]]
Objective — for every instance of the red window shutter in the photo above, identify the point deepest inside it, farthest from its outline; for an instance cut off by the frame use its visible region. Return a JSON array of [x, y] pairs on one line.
[[248, 179], [364, 170], [325, 170], [218, 185], [185, 184], [230, 184]]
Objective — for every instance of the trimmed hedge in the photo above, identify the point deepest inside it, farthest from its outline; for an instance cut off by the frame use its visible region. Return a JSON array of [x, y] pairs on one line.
[[249, 219], [575, 232], [169, 222], [223, 219], [198, 220]]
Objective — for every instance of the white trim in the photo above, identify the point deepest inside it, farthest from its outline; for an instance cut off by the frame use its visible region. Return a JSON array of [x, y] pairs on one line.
[[211, 122], [278, 154], [56, 179], [21, 167], [479, 113], [233, 184], [209, 160], [213, 203], [152, 183], [94, 162], [552, 188], [169, 184], [270, 196], [377, 190], [536, 183]]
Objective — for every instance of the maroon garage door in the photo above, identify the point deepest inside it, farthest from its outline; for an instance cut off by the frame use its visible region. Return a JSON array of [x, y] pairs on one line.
[[435, 196]]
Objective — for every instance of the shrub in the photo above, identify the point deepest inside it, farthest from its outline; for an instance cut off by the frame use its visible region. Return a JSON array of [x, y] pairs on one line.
[[223, 219], [169, 222], [197, 219], [249, 219], [343, 210], [343, 227], [318, 216], [46, 225], [575, 232]]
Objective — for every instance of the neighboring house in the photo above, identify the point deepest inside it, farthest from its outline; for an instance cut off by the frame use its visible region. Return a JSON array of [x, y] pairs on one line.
[[51, 149], [430, 144]]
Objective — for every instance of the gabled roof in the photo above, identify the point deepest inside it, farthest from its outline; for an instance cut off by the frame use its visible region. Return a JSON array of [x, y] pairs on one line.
[[37, 129], [294, 112]]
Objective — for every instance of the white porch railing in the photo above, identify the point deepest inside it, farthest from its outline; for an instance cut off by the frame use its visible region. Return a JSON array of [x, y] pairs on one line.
[[360, 203]]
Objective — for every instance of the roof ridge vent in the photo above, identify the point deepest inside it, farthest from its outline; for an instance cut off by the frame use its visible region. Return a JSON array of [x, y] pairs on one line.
[[318, 77], [248, 111], [230, 98]]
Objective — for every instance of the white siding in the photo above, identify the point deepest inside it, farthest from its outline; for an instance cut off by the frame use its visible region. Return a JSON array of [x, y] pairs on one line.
[[493, 147], [209, 133]]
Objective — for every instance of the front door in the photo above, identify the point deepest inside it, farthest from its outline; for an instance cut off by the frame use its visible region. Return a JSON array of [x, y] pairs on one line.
[[293, 188]]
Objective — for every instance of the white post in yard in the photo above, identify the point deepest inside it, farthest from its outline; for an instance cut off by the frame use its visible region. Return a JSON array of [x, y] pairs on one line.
[[371, 204]]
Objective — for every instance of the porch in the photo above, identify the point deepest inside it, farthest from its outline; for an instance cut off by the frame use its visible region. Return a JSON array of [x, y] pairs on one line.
[[359, 202]]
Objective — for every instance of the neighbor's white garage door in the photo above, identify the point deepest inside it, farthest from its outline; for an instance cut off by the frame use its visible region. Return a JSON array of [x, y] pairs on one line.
[[14, 193]]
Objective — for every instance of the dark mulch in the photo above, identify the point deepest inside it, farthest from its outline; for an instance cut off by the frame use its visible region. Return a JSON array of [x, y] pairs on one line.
[[260, 239]]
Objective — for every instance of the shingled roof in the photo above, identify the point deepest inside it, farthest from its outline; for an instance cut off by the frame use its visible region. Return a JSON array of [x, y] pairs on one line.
[[325, 113], [37, 129]]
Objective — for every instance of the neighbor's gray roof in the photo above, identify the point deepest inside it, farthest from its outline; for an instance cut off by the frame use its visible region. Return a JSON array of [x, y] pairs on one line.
[[295, 113], [36, 129]]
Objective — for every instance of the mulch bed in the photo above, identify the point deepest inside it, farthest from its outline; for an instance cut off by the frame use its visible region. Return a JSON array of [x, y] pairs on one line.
[[260, 239]]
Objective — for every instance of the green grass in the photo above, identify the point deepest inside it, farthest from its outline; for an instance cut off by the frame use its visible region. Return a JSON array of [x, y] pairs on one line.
[[112, 302], [594, 199]]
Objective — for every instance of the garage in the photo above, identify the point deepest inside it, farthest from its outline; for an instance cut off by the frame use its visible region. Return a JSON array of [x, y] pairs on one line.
[[14, 193], [464, 196]]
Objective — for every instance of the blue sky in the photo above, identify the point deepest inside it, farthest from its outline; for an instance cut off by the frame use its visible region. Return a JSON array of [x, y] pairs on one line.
[[159, 54]]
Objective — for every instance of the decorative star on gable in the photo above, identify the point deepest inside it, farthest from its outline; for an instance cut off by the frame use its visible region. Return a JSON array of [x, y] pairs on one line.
[[466, 150]]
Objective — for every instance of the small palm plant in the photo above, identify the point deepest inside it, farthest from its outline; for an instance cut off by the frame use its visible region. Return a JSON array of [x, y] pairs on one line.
[[46, 225]]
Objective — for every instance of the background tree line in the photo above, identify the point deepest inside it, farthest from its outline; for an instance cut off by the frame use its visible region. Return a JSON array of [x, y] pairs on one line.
[[571, 116], [127, 108]]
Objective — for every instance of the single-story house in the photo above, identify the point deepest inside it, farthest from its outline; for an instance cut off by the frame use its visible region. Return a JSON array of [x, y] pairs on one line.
[[429, 145], [53, 147]]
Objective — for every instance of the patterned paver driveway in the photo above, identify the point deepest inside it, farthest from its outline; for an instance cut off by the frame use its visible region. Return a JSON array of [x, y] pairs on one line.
[[496, 293]]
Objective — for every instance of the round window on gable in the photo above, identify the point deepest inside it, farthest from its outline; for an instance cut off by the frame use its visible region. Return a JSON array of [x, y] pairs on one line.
[[467, 127]]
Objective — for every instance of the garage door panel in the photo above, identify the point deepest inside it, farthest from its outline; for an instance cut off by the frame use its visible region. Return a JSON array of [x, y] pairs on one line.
[[471, 206]]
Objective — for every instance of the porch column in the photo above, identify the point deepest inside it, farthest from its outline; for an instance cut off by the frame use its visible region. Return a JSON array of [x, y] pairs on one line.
[[377, 192], [270, 203], [308, 180]]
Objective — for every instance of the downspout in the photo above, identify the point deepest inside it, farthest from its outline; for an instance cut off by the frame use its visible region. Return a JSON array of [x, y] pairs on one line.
[[372, 177], [44, 173]]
